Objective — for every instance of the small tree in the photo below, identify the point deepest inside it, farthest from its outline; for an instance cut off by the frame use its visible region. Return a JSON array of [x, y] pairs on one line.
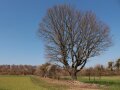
[[89, 72], [110, 65], [42, 69], [117, 64], [98, 69], [72, 37]]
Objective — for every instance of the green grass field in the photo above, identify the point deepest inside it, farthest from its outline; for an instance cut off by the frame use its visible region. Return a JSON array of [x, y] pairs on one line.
[[35, 83], [26, 83], [113, 82]]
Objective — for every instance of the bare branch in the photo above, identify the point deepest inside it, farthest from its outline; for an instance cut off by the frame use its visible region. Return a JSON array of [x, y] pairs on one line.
[[73, 36]]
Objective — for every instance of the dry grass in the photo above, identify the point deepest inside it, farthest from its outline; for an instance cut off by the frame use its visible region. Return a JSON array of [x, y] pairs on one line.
[[72, 85]]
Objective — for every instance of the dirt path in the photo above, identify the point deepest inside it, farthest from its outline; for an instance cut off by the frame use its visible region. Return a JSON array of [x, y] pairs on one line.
[[73, 85]]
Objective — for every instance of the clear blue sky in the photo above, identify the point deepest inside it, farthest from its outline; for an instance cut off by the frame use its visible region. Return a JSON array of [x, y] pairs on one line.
[[19, 19]]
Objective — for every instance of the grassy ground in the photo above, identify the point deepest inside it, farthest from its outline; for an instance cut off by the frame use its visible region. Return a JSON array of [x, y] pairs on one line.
[[26, 83], [37, 83], [113, 82]]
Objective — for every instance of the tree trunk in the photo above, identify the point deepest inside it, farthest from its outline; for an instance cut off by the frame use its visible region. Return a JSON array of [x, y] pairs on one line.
[[89, 76], [94, 77], [100, 76], [73, 75]]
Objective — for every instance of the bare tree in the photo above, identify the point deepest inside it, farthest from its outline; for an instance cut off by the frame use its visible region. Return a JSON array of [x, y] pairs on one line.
[[110, 65], [72, 37], [89, 72], [99, 69], [117, 65]]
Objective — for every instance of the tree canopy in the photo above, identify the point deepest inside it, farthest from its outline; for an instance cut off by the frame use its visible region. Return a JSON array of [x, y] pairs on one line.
[[72, 36]]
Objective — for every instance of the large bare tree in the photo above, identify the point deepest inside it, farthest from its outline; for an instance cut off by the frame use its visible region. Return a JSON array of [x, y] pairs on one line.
[[72, 36]]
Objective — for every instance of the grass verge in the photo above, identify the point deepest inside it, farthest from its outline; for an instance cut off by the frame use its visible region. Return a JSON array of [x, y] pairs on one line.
[[111, 82], [26, 83]]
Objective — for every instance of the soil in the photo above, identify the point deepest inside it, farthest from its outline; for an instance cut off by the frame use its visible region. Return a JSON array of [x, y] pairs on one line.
[[73, 85]]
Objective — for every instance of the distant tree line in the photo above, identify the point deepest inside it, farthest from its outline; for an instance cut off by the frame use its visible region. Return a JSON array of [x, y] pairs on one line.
[[17, 69], [113, 68], [44, 70], [56, 71]]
